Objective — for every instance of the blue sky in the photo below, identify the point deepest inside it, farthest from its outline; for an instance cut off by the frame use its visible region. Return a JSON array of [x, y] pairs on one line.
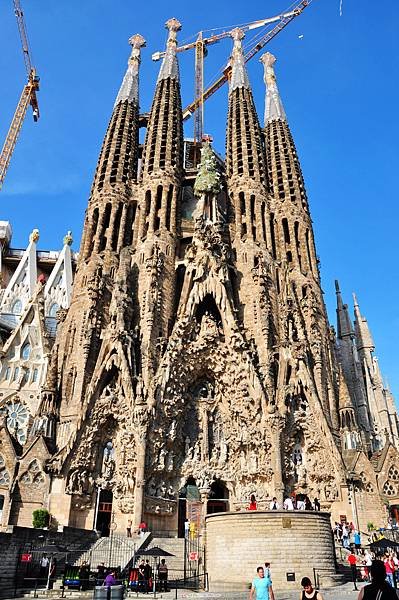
[[339, 84]]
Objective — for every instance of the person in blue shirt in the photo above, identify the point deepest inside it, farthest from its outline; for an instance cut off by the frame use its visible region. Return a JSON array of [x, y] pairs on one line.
[[261, 586], [357, 540]]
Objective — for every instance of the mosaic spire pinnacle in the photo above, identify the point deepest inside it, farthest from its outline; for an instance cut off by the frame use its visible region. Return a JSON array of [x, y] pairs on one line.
[[129, 89], [274, 108], [170, 67], [239, 76]]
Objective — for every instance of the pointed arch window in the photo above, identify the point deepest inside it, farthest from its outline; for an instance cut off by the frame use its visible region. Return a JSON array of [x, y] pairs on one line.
[[53, 309], [17, 307], [26, 350]]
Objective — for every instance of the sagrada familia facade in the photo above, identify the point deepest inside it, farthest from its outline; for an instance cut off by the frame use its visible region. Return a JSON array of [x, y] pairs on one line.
[[185, 352]]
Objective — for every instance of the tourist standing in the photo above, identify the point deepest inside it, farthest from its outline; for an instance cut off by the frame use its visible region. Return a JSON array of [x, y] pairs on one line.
[[357, 540], [186, 529], [300, 503], [147, 576], [261, 587], [309, 592], [110, 579], [379, 588], [163, 576], [141, 577], [316, 504], [352, 560], [274, 505], [288, 504], [129, 529], [267, 571], [44, 563], [253, 505], [345, 536], [389, 568]]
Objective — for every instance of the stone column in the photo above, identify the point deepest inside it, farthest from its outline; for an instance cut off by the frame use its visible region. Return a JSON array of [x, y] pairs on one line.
[[276, 425], [204, 494], [140, 426]]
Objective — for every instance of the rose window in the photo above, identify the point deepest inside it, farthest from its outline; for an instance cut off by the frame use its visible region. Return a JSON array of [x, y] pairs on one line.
[[17, 420]]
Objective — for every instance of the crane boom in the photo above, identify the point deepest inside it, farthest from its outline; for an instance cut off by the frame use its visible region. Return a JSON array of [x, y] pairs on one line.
[[284, 20], [28, 97], [24, 36], [15, 128]]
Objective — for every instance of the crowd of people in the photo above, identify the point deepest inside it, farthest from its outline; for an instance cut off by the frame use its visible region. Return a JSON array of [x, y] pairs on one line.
[[379, 585], [293, 502], [141, 577]]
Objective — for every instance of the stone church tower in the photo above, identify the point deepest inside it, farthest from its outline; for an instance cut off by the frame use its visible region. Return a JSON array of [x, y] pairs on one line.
[[196, 364]]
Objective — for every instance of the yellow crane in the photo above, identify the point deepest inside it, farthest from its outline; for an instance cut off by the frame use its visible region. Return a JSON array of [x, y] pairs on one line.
[[28, 97], [200, 44]]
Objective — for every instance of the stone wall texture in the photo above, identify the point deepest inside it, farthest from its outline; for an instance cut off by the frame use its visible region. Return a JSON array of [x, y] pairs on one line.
[[293, 542]]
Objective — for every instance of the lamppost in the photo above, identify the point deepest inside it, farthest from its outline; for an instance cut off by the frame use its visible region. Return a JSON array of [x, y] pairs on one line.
[[352, 479]]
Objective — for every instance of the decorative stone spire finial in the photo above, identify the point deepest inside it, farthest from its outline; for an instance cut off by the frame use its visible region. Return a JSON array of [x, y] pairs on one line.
[[129, 89], [68, 239], [34, 236], [169, 67], [239, 76], [273, 106]]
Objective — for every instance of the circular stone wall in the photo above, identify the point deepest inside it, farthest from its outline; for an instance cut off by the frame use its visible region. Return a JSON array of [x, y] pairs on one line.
[[292, 541]]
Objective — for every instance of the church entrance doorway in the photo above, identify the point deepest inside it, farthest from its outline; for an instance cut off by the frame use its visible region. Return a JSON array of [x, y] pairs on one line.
[[104, 512], [189, 505], [218, 499]]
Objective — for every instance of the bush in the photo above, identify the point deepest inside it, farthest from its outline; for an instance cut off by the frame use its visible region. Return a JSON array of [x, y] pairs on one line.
[[40, 518]]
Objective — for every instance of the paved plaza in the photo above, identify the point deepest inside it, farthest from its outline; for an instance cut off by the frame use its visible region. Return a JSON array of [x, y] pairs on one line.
[[343, 592]]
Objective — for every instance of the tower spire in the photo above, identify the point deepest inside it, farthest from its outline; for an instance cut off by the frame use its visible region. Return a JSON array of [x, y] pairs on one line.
[[117, 163], [129, 89], [285, 180], [239, 76], [274, 108], [344, 324], [169, 67]]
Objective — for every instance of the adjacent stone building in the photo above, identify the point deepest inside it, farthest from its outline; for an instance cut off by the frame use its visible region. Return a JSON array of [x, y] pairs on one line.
[[193, 363]]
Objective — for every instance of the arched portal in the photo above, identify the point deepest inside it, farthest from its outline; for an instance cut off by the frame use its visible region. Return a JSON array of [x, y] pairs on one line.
[[218, 499], [189, 505], [104, 512]]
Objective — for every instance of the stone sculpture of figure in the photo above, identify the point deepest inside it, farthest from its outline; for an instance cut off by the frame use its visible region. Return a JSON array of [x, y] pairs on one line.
[[209, 325], [109, 467], [161, 459], [188, 451], [151, 487], [172, 431], [223, 452], [170, 461]]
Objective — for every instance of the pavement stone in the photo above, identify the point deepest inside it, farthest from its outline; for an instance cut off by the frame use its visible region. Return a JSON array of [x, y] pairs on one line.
[[342, 592]]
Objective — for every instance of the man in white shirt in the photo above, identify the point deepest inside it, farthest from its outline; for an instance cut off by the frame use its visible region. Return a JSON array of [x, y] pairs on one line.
[[288, 504], [274, 505]]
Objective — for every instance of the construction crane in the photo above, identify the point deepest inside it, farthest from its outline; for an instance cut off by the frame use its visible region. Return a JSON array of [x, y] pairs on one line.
[[28, 97], [200, 45]]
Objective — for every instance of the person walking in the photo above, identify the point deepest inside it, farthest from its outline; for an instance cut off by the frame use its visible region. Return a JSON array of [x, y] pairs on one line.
[[379, 588], [163, 576], [390, 569], [261, 587], [357, 540], [129, 528], [147, 576], [352, 560], [309, 592]]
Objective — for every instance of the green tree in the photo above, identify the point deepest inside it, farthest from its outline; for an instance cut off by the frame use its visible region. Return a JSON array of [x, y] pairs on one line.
[[40, 518]]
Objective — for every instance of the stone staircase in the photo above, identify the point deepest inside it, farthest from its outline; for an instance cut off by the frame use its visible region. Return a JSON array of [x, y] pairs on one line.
[[174, 563], [115, 551]]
